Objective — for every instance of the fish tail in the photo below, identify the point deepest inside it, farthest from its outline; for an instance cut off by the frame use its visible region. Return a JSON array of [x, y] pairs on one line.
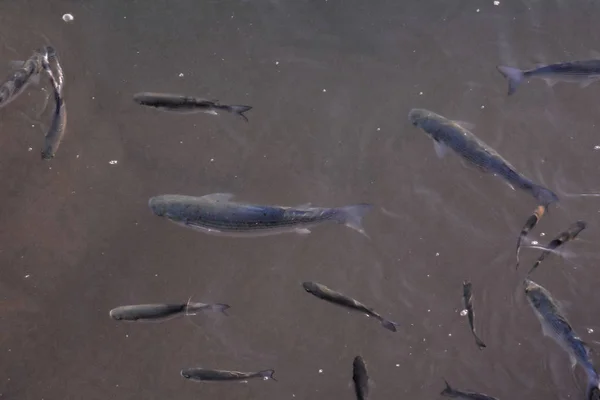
[[479, 342], [447, 390], [352, 216], [219, 307], [389, 325], [531, 222], [593, 390], [514, 75], [239, 110], [268, 374]]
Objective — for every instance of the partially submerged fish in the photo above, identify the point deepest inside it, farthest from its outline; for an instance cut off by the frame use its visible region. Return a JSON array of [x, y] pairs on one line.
[[327, 294], [59, 118], [360, 378], [531, 222], [25, 72], [161, 312], [563, 237], [556, 326], [468, 300], [216, 214], [582, 72], [449, 391], [200, 374], [187, 104]]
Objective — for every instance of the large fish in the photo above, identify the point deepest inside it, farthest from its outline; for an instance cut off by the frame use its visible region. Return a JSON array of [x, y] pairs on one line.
[[187, 104], [162, 312], [449, 391], [571, 233], [216, 214], [582, 72], [201, 374], [59, 118], [556, 326], [468, 300], [360, 377], [327, 294]]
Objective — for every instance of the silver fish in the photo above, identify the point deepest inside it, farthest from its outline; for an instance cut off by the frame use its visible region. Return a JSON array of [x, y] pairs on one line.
[[556, 326], [161, 312], [200, 374], [25, 72], [360, 378], [327, 294], [216, 214], [449, 391], [571, 233], [56, 132], [187, 104], [582, 72], [468, 300]]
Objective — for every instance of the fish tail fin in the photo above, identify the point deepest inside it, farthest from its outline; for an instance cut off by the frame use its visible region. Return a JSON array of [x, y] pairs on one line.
[[389, 325], [447, 390], [268, 374], [544, 195], [239, 110], [219, 307], [352, 216], [514, 75], [593, 391], [480, 343]]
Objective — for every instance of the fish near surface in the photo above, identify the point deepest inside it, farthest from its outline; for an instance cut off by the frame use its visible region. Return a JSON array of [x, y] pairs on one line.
[[360, 378], [58, 125], [468, 301], [449, 391], [201, 374], [583, 72], [329, 295], [571, 233], [216, 214], [161, 312], [556, 326]]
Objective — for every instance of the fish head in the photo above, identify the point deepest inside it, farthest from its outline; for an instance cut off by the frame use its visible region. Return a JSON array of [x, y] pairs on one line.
[[114, 314], [417, 116], [159, 205], [533, 291], [310, 287], [47, 154], [185, 373]]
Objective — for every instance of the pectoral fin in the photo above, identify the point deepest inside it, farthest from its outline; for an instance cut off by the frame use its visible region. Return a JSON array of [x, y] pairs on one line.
[[440, 148]]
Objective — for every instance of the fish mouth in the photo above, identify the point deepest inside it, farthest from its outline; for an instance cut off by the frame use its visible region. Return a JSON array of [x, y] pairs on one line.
[[416, 115]]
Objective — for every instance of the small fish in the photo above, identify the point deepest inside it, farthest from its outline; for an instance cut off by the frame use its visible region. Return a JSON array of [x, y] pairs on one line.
[[25, 72], [59, 119], [582, 72], [161, 312], [186, 104], [360, 378], [531, 222], [200, 374], [325, 293], [451, 392], [216, 214], [563, 237], [556, 326], [468, 300]]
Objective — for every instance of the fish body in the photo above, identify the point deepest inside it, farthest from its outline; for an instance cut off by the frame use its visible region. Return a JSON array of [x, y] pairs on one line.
[[327, 294], [24, 73], [360, 378], [583, 72], [571, 233], [468, 300], [216, 214], [158, 312], [58, 125], [187, 104], [556, 326], [200, 374], [449, 391]]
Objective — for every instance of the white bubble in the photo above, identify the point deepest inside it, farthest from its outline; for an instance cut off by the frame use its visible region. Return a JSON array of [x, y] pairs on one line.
[[29, 149], [113, 162], [535, 242], [320, 371], [68, 17], [478, 10], [420, 93], [181, 74], [324, 90], [276, 62], [590, 330], [542, 234], [496, 3], [463, 313], [596, 147]]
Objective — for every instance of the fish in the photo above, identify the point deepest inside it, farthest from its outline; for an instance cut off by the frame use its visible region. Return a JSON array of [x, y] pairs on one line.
[[187, 104], [25, 72], [449, 391], [571, 233], [58, 125], [200, 374], [583, 72], [556, 326], [360, 378], [531, 222], [468, 300], [216, 214], [325, 293], [162, 312]]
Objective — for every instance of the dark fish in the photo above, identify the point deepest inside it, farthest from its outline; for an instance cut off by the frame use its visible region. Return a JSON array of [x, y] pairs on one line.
[[451, 392], [200, 374], [360, 378], [24, 73], [556, 326], [216, 214], [531, 222], [59, 119], [186, 104], [157, 312], [325, 293], [468, 299], [563, 237], [582, 72]]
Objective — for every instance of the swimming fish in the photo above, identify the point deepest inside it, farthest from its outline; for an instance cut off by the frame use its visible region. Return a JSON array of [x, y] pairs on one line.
[[556, 326], [582, 72], [216, 214], [161, 312], [468, 300], [563, 237], [325, 293], [59, 118], [531, 222], [200, 374], [360, 378], [451, 392], [25, 72], [186, 104]]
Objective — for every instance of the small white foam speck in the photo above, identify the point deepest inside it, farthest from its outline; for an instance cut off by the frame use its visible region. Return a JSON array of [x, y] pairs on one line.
[[29, 149], [77, 156], [378, 129], [420, 93], [535, 242], [542, 234], [596, 147], [320, 371], [324, 90], [212, 159], [428, 310], [496, 3], [27, 276], [463, 313], [113, 162], [437, 254], [478, 10], [450, 334], [68, 17], [181, 74], [482, 107], [276, 62], [397, 365]]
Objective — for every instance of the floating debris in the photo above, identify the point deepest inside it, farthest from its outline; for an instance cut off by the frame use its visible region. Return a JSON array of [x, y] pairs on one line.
[[68, 17], [113, 162]]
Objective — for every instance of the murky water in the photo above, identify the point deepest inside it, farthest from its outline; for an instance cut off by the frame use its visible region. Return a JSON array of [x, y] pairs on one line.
[[331, 84]]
